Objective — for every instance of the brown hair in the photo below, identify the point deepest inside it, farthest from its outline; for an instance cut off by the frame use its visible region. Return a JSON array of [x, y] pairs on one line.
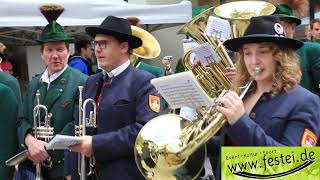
[[287, 73], [42, 46], [313, 22]]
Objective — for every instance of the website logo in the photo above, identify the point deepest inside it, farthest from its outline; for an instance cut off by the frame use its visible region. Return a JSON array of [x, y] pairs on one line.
[[270, 162]]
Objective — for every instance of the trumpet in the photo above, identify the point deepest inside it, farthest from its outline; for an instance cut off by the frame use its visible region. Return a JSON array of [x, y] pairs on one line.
[[42, 131], [80, 130]]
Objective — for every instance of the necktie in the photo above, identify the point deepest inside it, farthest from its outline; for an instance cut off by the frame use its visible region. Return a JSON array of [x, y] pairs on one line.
[[105, 84]]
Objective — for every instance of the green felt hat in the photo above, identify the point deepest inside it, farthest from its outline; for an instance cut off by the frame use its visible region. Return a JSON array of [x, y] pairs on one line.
[[285, 13], [53, 32]]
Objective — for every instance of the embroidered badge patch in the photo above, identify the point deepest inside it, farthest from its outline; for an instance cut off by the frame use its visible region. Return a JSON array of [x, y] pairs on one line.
[[64, 104], [309, 138], [154, 103]]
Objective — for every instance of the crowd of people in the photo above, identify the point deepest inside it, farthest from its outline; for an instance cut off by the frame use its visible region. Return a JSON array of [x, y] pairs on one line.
[[284, 73]]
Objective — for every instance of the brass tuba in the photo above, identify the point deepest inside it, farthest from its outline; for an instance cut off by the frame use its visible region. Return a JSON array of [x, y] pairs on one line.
[[172, 147], [150, 47]]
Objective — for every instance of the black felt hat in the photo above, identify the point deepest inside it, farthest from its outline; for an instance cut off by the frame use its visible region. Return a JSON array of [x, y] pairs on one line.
[[117, 27], [263, 29]]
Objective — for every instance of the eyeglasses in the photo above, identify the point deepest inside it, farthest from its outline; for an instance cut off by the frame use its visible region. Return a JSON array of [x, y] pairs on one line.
[[102, 44]]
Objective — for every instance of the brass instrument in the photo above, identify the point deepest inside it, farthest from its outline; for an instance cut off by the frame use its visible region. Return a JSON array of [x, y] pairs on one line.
[[80, 130], [150, 47], [209, 77], [172, 147], [42, 131]]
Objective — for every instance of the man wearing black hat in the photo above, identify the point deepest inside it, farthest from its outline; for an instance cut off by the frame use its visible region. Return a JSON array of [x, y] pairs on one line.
[[309, 53], [57, 89], [126, 101]]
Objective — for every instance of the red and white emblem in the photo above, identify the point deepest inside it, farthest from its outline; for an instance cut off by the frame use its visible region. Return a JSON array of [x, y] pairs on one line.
[[154, 103], [309, 138]]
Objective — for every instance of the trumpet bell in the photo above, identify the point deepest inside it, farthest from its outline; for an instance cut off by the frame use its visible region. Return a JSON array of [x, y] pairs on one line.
[[150, 47], [155, 161]]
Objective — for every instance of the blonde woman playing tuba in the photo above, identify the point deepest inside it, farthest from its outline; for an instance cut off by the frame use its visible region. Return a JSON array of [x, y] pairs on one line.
[[269, 58]]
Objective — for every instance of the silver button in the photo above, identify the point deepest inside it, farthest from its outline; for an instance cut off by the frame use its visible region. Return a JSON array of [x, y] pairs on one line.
[[252, 115]]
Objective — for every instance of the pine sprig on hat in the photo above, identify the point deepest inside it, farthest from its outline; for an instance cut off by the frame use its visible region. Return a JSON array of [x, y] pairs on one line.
[[51, 11], [133, 20], [299, 6]]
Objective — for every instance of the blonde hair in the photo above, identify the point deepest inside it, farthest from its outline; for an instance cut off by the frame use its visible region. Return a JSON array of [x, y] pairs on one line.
[[2, 47], [287, 75]]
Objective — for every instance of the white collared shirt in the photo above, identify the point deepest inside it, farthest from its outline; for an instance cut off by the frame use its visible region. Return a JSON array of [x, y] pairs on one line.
[[115, 72], [48, 79]]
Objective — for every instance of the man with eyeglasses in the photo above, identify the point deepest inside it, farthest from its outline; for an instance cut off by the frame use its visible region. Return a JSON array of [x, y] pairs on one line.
[[125, 98]]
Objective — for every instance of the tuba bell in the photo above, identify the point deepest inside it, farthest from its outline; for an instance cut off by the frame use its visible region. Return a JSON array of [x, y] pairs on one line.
[[172, 147], [150, 47]]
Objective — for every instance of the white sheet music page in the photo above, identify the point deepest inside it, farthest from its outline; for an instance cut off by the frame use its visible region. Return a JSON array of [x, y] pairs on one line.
[[218, 28], [60, 142], [206, 54], [189, 44], [182, 89]]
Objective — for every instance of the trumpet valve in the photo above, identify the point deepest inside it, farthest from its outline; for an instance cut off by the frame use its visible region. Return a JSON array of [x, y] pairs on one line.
[[43, 132], [78, 130]]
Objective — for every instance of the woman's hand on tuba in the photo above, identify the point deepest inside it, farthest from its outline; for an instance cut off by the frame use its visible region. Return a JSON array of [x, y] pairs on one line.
[[231, 106]]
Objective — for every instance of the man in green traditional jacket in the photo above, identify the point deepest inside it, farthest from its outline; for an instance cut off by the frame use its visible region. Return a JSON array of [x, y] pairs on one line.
[[8, 137], [155, 70], [309, 54], [58, 87], [10, 95]]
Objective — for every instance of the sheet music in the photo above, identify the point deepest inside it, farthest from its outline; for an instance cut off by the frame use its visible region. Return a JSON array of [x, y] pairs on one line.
[[206, 54], [60, 142], [188, 113], [189, 44], [218, 28], [182, 89]]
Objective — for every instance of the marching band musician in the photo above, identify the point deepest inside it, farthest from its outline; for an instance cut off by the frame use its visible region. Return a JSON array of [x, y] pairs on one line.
[[138, 61], [8, 137], [126, 101], [11, 107], [309, 53], [58, 87], [268, 58]]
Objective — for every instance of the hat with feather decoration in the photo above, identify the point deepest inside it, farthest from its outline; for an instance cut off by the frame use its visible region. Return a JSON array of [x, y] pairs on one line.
[[53, 32]]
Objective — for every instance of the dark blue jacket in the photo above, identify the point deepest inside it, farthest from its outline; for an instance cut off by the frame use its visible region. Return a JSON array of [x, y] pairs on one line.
[[273, 121], [124, 109]]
